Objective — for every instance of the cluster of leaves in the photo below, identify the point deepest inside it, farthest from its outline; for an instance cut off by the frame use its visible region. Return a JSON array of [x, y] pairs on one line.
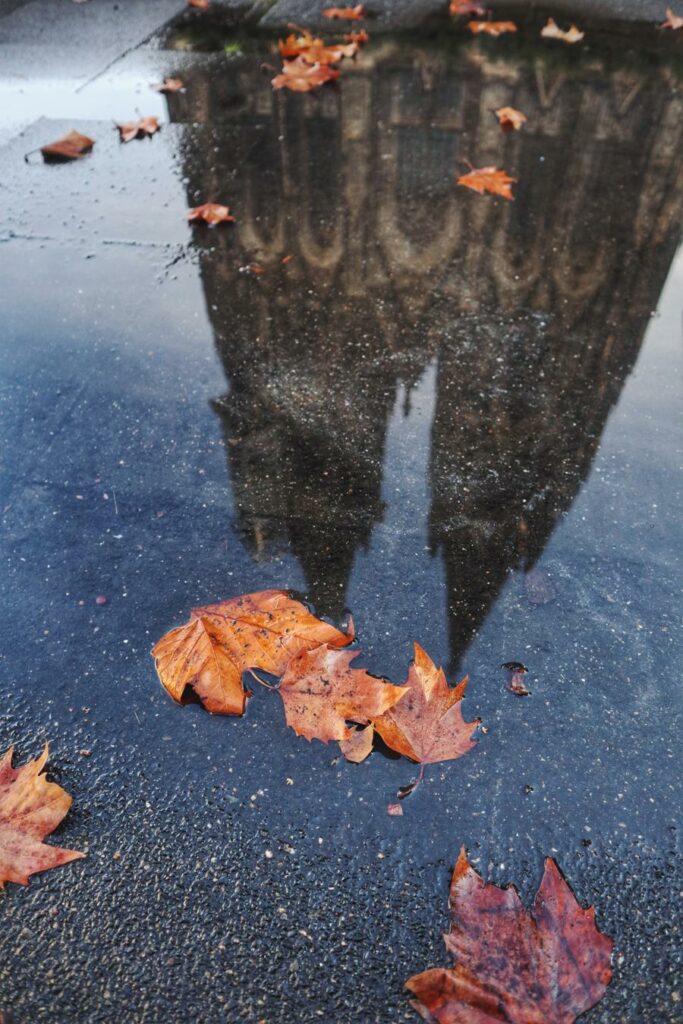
[[544, 967], [309, 62], [324, 698]]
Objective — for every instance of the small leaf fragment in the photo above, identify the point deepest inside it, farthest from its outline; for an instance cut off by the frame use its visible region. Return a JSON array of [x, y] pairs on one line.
[[211, 214], [199, 5], [488, 179], [516, 672], [359, 744], [491, 28], [510, 120], [674, 21], [169, 85], [395, 810], [30, 808], [553, 31], [142, 129], [458, 7], [356, 13], [71, 147], [321, 693]]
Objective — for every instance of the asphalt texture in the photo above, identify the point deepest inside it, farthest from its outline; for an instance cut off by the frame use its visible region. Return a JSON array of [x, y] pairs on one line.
[[458, 418]]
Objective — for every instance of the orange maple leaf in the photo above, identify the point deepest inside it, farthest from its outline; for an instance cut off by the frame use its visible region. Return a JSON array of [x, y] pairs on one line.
[[30, 808], [349, 13], [427, 726], [553, 31], [141, 129], [72, 146], [321, 693], [491, 28], [300, 76], [293, 45], [544, 967], [488, 179], [169, 85], [674, 21], [510, 119], [357, 37], [314, 51], [263, 631], [211, 213]]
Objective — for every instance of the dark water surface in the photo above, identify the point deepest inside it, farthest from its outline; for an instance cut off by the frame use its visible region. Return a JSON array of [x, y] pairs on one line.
[[457, 417]]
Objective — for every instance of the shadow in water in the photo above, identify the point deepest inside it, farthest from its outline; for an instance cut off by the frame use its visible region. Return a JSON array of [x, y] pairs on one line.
[[533, 311]]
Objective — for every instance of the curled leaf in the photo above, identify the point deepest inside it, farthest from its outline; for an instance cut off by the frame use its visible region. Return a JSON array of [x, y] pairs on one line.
[[211, 213], [510, 119], [488, 179], [553, 31], [30, 808], [72, 146], [141, 129]]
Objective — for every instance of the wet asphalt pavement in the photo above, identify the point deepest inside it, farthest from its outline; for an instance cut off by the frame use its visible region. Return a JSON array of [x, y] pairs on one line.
[[458, 418]]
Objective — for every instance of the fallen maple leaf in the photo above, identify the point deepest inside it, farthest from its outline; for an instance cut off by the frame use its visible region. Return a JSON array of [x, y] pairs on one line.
[[510, 119], [427, 725], [359, 744], [263, 630], [293, 45], [321, 693], [350, 13], [553, 31], [491, 28], [169, 85], [488, 179], [30, 808], [357, 37], [300, 76], [314, 51], [72, 146], [466, 7], [544, 967], [674, 21], [141, 129], [211, 213]]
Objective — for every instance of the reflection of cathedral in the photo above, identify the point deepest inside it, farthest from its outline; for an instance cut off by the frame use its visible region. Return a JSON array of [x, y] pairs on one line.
[[535, 310]]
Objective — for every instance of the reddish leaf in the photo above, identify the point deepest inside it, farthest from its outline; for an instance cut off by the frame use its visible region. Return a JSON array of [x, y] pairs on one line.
[[543, 967], [293, 45], [395, 810], [30, 808], [321, 693], [141, 129], [427, 726], [71, 147], [300, 76], [466, 7], [491, 28], [170, 85], [200, 5], [552, 31], [488, 179], [359, 744], [357, 37], [510, 119], [349, 13], [262, 630], [211, 213], [674, 21]]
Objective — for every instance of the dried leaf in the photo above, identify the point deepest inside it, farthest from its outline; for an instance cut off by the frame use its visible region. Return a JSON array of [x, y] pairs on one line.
[[169, 85], [349, 13], [510, 119], [427, 726], [30, 808], [314, 51], [221, 641], [544, 967], [488, 179], [293, 45], [321, 693], [300, 76], [211, 213], [516, 672], [466, 7], [200, 5], [141, 129], [552, 31], [359, 744], [491, 28], [395, 810], [72, 146], [674, 21], [360, 37]]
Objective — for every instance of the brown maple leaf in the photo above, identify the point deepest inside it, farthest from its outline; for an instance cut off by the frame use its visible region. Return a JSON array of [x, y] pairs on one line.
[[349, 13], [314, 51], [321, 693], [263, 631], [300, 76], [674, 21], [427, 725], [211, 214], [488, 179], [466, 7], [359, 744], [491, 28], [169, 85], [30, 808], [141, 129], [553, 31], [544, 967], [72, 146], [510, 119]]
